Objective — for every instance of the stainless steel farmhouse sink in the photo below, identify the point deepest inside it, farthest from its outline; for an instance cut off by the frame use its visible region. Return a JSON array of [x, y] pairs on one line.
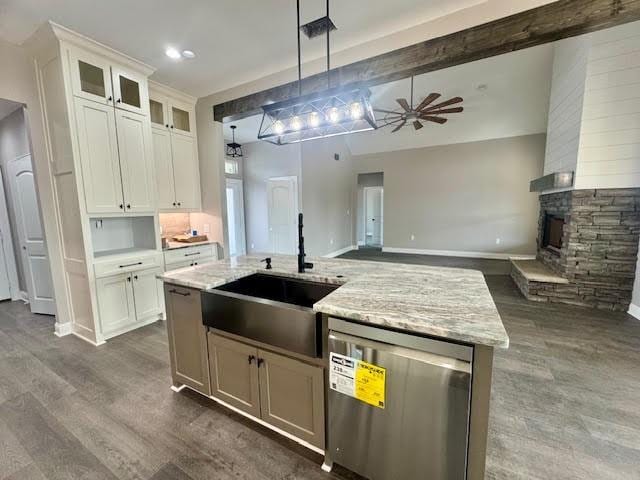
[[270, 309]]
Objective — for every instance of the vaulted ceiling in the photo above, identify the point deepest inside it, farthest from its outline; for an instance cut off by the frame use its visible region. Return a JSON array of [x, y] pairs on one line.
[[235, 41]]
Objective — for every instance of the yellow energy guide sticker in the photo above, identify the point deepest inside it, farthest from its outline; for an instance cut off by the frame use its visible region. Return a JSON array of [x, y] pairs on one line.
[[370, 381], [358, 379]]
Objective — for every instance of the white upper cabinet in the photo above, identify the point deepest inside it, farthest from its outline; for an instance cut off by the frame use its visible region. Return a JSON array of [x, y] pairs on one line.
[[186, 173], [99, 160], [164, 168], [129, 91], [175, 150], [91, 77], [136, 162]]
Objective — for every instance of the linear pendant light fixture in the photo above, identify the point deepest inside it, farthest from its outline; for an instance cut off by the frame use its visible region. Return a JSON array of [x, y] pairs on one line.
[[335, 111]]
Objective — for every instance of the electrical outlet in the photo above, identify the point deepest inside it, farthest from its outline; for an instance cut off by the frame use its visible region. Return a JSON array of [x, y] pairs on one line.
[[497, 241], [99, 223], [205, 228], [253, 247], [331, 241], [160, 229], [413, 237]]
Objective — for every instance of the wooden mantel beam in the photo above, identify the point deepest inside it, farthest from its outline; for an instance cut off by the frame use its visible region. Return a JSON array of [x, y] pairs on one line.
[[548, 23]]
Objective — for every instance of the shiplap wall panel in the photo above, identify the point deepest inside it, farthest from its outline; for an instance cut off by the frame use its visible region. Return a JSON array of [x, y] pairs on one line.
[[609, 152], [565, 105]]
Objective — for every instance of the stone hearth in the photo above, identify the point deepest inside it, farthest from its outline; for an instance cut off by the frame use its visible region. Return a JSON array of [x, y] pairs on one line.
[[599, 248]]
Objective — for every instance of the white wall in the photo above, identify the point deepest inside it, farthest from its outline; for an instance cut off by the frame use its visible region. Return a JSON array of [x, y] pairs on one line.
[[461, 197], [14, 143]]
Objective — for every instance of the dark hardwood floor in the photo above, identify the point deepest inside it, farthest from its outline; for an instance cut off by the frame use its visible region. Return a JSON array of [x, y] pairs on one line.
[[565, 405]]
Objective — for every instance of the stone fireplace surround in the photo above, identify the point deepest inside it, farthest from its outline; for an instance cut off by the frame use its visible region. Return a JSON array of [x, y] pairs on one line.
[[599, 248]]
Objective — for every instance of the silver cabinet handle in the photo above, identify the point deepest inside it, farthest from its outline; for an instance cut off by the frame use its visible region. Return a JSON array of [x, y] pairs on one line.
[[184, 294]]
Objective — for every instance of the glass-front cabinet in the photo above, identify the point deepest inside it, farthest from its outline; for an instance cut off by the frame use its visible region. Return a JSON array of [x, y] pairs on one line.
[[91, 77], [171, 114], [129, 91]]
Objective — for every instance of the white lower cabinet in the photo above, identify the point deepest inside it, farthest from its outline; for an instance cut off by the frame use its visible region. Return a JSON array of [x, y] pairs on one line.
[[128, 299]]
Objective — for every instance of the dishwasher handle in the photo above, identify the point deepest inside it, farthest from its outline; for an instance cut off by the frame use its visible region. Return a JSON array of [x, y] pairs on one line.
[[433, 359]]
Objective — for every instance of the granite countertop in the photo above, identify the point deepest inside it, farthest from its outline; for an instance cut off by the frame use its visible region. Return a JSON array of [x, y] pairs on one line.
[[450, 303]]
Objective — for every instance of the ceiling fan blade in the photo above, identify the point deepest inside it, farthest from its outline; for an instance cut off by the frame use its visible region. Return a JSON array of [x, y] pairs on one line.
[[429, 118], [428, 100], [404, 104], [399, 126], [445, 110], [446, 103], [417, 125]]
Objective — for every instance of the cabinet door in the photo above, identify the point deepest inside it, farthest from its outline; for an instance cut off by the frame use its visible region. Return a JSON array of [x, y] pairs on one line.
[[146, 293], [115, 302], [186, 172], [99, 162], [234, 373], [158, 113], [130, 91], [181, 118], [164, 168], [136, 161], [187, 338], [91, 77], [292, 396]]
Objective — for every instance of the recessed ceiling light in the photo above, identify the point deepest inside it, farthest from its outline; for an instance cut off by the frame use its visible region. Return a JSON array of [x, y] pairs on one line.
[[188, 54], [172, 53]]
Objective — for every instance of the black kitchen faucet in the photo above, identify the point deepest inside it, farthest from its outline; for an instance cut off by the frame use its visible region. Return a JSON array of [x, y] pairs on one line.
[[301, 263]]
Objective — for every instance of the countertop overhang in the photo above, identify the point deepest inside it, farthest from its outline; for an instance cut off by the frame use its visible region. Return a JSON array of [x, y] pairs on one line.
[[451, 303]]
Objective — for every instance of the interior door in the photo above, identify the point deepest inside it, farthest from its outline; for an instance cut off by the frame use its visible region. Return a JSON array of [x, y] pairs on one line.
[[373, 216], [164, 168], [185, 171], [98, 143], [136, 162], [282, 204], [235, 217], [33, 249]]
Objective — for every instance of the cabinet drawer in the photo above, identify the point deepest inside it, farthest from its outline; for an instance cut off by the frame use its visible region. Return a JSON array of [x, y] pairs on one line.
[[188, 253], [187, 263], [123, 265]]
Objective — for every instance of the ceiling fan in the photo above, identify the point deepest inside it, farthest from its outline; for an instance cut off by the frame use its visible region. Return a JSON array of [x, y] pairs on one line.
[[426, 111]]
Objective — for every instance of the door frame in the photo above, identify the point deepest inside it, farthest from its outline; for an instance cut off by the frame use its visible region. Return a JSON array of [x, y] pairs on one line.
[[6, 237], [364, 201], [240, 184], [296, 206]]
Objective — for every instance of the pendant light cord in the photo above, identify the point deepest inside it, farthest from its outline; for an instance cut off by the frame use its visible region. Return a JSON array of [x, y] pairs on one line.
[[328, 63], [299, 57]]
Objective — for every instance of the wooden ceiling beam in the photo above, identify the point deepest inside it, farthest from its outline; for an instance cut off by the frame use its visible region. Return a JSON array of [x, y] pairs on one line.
[[548, 23]]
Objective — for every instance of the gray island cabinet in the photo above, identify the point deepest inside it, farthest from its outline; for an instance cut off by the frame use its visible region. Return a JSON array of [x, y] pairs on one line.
[[239, 355]]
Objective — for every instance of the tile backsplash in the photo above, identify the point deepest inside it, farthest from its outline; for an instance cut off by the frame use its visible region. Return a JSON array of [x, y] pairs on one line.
[[174, 224]]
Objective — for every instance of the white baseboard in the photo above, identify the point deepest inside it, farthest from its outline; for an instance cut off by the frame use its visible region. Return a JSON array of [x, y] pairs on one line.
[[634, 310], [63, 329], [337, 253], [24, 296], [460, 253]]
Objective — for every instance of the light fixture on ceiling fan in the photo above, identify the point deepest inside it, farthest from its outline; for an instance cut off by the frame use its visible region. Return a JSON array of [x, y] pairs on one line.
[[335, 111], [425, 111]]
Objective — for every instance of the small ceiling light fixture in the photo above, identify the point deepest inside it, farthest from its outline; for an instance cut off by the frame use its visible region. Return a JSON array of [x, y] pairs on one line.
[[234, 149], [188, 54], [172, 53], [335, 111]]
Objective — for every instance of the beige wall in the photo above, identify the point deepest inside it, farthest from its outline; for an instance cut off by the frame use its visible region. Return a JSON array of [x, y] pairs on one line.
[[18, 83], [461, 197]]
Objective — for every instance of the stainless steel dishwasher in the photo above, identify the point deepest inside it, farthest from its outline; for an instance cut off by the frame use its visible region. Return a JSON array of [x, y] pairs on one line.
[[398, 404]]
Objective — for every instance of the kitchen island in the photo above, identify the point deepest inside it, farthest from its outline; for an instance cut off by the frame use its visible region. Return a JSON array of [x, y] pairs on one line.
[[289, 390]]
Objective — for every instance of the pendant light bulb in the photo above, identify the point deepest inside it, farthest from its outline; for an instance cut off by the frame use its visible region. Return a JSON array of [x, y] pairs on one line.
[[334, 115], [314, 119], [296, 123], [278, 127], [355, 111]]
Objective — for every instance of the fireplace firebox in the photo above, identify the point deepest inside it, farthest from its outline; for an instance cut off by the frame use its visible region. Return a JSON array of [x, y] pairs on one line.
[[552, 233]]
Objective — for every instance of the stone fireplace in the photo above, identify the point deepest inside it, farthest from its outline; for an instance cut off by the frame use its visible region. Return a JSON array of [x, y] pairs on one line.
[[590, 239]]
